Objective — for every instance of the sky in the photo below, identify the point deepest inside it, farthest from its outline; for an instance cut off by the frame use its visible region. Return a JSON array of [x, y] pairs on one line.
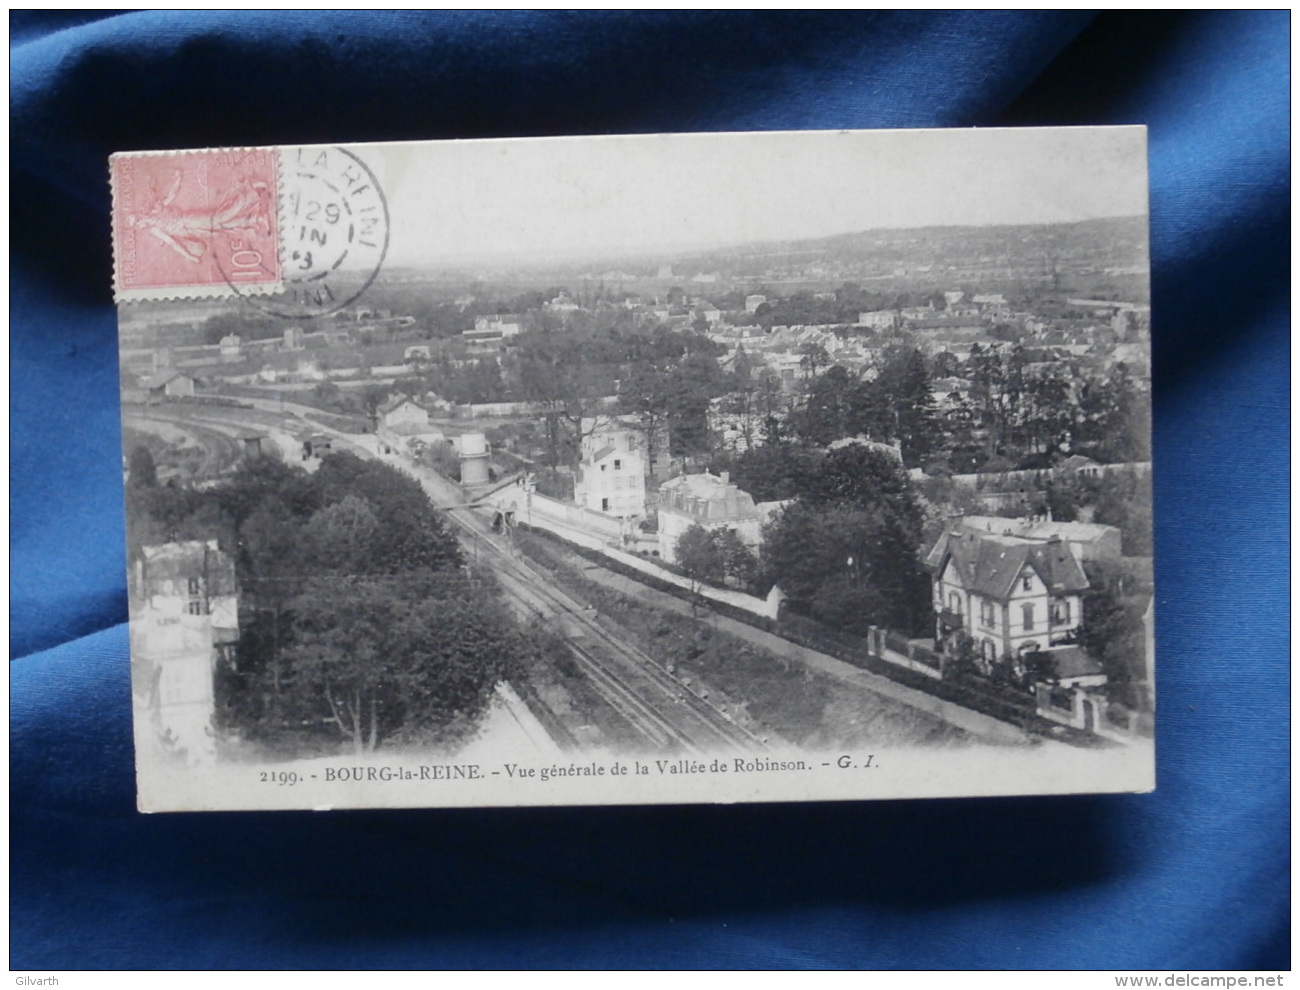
[[530, 199]]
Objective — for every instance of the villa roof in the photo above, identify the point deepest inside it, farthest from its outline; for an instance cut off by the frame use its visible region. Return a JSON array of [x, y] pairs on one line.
[[707, 498], [396, 402], [191, 558], [989, 564]]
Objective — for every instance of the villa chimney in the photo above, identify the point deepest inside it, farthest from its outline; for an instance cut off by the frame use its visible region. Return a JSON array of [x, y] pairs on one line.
[[725, 477]]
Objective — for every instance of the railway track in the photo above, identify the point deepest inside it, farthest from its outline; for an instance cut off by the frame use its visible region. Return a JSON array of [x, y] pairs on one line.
[[219, 448], [665, 713]]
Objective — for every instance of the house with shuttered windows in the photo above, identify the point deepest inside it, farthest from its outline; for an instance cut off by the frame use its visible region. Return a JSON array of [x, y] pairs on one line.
[[1012, 597]]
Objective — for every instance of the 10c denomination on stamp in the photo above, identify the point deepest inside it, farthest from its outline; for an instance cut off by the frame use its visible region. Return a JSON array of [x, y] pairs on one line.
[[196, 224]]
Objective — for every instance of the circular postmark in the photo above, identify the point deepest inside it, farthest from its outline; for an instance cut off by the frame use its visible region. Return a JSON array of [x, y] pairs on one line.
[[333, 233]]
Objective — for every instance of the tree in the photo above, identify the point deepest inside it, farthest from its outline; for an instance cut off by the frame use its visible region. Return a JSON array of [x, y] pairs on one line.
[[262, 478], [898, 405], [846, 551], [700, 557], [694, 383], [988, 394], [374, 661], [916, 417], [847, 565], [945, 364], [340, 538], [813, 357], [776, 470], [1115, 418], [739, 562], [1049, 412], [644, 392], [412, 536], [328, 393], [1124, 501], [270, 546], [143, 470], [1112, 631], [868, 476], [826, 415], [745, 365]]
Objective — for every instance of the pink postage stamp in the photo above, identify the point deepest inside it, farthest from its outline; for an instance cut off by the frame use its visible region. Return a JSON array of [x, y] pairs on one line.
[[196, 224]]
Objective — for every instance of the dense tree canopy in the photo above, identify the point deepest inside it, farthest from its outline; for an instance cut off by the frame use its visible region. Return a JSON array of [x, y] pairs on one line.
[[375, 662], [846, 550], [357, 622]]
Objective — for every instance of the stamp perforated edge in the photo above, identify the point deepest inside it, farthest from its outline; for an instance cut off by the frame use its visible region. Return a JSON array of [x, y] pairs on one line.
[[184, 292]]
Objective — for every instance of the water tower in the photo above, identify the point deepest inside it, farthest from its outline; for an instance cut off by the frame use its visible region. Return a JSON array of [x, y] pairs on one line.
[[474, 457]]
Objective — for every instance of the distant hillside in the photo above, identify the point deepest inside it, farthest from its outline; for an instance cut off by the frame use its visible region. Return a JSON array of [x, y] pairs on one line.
[[1104, 258]]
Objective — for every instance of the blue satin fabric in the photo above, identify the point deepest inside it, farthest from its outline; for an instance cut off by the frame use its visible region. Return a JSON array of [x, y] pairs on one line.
[[1193, 876]]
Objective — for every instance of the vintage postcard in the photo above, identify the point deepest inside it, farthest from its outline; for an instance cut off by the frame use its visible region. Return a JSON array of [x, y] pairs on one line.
[[617, 470]]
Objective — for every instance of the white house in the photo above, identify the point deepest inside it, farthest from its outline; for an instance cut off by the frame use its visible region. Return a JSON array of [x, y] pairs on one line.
[[184, 617], [1012, 596], [507, 326], [878, 319], [706, 500], [401, 419], [612, 480], [707, 310], [231, 348], [170, 385], [562, 304], [626, 433]]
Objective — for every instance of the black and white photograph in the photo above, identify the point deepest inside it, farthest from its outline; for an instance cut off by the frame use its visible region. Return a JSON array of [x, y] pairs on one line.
[[649, 469]]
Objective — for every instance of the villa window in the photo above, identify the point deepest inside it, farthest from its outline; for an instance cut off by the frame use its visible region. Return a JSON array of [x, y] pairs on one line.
[[193, 586], [1027, 583], [1060, 613], [1028, 611], [618, 465]]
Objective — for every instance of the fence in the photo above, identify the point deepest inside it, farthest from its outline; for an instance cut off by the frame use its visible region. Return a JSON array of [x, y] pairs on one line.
[[867, 652]]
